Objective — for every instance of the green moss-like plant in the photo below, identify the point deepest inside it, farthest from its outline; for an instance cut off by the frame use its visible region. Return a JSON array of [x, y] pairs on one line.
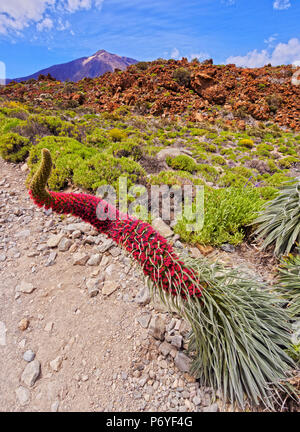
[[13, 147]]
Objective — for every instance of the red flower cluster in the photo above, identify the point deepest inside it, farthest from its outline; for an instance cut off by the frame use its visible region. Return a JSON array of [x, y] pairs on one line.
[[156, 256]]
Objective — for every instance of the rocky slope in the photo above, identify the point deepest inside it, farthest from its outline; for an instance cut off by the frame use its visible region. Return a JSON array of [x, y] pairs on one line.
[[85, 67], [169, 87]]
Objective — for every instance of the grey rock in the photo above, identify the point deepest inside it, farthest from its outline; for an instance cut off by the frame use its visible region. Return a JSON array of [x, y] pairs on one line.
[[28, 355], [143, 297], [109, 287], [2, 257], [51, 259], [144, 320], [160, 226], [80, 258], [176, 341], [23, 395], [196, 400], [25, 287], [2, 334], [106, 245], [56, 363], [81, 226], [115, 251], [54, 240], [183, 362], [93, 287], [64, 244], [76, 234], [31, 373], [112, 272], [228, 248], [94, 260], [165, 348], [23, 234], [55, 406], [171, 152], [157, 328], [211, 408]]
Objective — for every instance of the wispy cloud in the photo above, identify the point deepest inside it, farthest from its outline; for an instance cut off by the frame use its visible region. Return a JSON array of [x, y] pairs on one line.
[[16, 15], [283, 53], [281, 4]]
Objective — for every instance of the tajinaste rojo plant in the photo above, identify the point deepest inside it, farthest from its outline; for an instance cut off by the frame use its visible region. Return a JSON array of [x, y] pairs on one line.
[[239, 332], [279, 222]]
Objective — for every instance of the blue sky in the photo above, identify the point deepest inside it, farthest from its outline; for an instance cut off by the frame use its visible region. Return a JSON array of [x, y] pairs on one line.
[[35, 34]]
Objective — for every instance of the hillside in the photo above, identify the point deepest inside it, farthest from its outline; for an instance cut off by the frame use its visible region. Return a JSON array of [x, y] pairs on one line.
[[192, 90], [84, 67]]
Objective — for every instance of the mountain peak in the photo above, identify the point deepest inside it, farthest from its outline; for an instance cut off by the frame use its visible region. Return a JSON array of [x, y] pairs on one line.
[[86, 67]]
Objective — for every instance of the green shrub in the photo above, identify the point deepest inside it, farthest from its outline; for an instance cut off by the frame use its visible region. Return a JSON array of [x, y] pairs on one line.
[[182, 163], [13, 147], [128, 148], [246, 143], [227, 212], [105, 169], [117, 134], [182, 76], [67, 153]]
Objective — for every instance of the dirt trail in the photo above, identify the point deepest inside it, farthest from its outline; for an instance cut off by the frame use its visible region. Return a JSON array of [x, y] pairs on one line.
[[92, 352]]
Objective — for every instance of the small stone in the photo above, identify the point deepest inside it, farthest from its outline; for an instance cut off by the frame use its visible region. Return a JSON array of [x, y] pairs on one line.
[[23, 324], [54, 406], [228, 248], [25, 287], [31, 373], [143, 297], [2, 257], [56, 364], [196, 400], [92, 287], [23, 395], [144, 320], [160, 226], [94, 260], [183, 362], [49, 327], [165, 348], [115, 251], [157, 328], [109, 287], [64, 244], [28, 356], [54, 240], [80, 226], [24, 167], [176, 341], [84, 378], [2, 334], [212, 408], [76, 234], [51, 259], [106, 245], [80, 258]]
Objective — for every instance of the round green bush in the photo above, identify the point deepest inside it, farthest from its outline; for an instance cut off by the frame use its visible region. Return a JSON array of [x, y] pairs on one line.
[[14, 147]]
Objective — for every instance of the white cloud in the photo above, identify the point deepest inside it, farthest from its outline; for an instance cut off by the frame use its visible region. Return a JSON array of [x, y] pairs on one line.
[[283, 53], [16, 15], [46, 24], [281, 4], [201, 56], [175, 54]]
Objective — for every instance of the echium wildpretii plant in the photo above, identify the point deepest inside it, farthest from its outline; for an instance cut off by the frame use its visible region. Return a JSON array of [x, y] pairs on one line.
[[239, 331], [279, 222], [289, 283]]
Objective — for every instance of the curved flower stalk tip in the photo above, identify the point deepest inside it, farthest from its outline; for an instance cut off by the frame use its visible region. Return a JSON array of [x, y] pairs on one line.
[[239, 331]]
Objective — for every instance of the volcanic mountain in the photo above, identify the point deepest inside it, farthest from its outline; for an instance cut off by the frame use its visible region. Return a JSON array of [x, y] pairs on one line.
[[84, 67]]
